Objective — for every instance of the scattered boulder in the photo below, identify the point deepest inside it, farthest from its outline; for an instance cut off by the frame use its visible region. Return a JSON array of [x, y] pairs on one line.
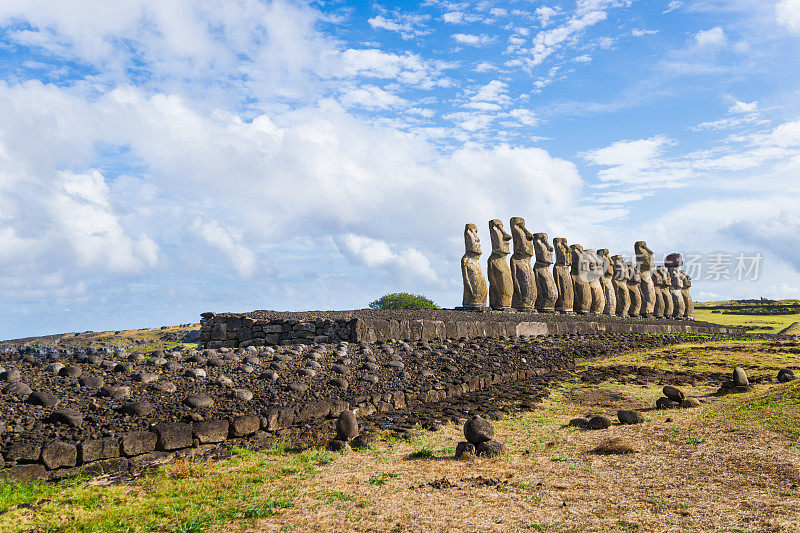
[[740, 377], [490, 448], [689, 403], [346, 426], [91, 382], [580, 422], [69, 417], [363, 440], [465, 450], [58, 454], [599, 422], [115, 392], [18, 390], [198, 401], [785, 375], [165, 386], [338, 446], [477, 430], [45, 399], [673, 393], [137, 408], [629, 417], [667, 403]]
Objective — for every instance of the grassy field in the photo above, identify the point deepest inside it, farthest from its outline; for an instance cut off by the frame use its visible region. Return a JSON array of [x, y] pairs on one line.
[[774, 323], [731, 465]]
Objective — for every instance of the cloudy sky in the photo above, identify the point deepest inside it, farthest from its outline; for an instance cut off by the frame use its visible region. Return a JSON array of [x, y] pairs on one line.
[[161, 159]]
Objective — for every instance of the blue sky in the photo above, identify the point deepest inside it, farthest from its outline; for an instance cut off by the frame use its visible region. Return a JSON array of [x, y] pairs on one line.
[[161, 159]]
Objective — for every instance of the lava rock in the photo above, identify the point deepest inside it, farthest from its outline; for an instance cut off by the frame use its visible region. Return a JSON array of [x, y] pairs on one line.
[[173, 436], [199, 401], [69, 417], [165, 386], [363, 441], [581, 423], [490, 448], [243, 395], [629, 417], [137, 408], [243, 426], [740, 377], [70, 372], [59, 454], [465, 450], [339, 383], [45, 399], [666, 403], [785, 375], [116, 392], [91, 382], [690, 402], [673, 393], [338, 446], [477, 430], [599, 422], [137, 442], [18, 390], [210, 431], [346, 425]]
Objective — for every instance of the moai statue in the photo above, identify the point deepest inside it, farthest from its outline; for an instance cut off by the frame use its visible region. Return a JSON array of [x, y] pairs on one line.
[[581, 291], [666, 294], [546, 291], [645, 262], [595, 285], [634, 281], [471, 272], [524, 297], [673, 263], [562, 276], [686, 283], [501, 287], [620, 282], [608, 287], [658, 282]]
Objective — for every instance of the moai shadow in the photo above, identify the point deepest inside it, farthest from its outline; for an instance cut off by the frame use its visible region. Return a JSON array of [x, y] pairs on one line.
[[608, 285], [475, 290], [620, 282], [563, 276], [645, 263], [546, 291], [501, 287], [524, 295], [581, 291]]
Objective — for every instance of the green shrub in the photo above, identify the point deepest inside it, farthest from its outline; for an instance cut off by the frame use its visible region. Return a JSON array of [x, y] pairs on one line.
[[403, 300]]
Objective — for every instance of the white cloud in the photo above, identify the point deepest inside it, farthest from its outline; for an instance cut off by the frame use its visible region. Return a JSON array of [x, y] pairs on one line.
[[371, 97], [472, 40], [585, 58], [743, 107], [229, 243], [408, 265], [408, 25], [525, 116], [545, 13], [788, 13], [643, 32], [405, 68], [710, 38]]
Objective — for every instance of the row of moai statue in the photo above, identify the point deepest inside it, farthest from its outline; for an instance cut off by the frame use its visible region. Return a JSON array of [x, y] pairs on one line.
[[581, 281]]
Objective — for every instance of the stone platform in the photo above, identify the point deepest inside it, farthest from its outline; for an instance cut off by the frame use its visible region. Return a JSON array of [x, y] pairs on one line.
[[271, 328]]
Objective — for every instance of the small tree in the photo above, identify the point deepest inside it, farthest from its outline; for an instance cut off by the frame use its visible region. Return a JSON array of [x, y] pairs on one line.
[[403, 300]]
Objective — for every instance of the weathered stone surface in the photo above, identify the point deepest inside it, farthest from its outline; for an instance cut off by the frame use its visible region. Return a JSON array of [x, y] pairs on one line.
[[137, 408], [243, 426], [785, 375], [338, 446], [475, 290], [346, 425], [599, 422], [501, 287], [199, 401], [34, 472], [634, 281], [667, 403], [629, 417], [70, 417], [740, 377], [18, 390], [645, 262], [524, 284], [23, 451], [45, 399], [477, 430], [581, 291], [607, 281], [137, 443], [690, 402], [59, 454], [546, 289], [465, 450], [580, 422], [95, 450], [673, 393], [211, 431], [490, 448], [173, 436], [364, 440], [620, 283]]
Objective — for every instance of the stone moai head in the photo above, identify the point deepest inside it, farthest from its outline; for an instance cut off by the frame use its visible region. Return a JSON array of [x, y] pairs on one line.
[[563, 253], [644, 256], [472, 243], [608, 266], [544, 252], [499, 237], [523, 239], [674, 260]]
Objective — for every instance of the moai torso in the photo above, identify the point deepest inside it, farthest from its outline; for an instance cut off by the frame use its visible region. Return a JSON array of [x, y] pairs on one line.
[[563, 276], [666, 293], [678, 303], [634, 288], [595, 283], [546, 291], [645, 262], [475, 290], [581, 291], [608, 286], [620, 282], [524, 295], [501, 287], [658, 282], [686, 283]]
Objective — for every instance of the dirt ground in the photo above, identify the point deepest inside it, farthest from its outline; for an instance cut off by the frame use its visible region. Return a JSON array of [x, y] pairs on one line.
[[689, 473]]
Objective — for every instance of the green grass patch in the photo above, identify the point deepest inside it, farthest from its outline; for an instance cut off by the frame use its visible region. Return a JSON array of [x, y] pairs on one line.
[[776, 408]]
